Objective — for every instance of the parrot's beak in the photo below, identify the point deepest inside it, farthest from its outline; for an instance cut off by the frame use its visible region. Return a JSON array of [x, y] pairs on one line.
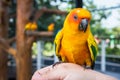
[[83, 25]]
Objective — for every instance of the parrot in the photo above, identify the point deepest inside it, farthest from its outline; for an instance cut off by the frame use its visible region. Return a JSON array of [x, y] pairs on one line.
[[75, 43], [51, 27], [31, 26]]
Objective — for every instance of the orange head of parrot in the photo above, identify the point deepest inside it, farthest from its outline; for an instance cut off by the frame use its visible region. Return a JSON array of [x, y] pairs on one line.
[[78, 20]]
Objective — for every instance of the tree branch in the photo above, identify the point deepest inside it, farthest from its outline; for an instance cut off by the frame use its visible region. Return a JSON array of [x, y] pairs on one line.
[[39, 33], [11, 40], [53, 11], [40, 12], [5, 46], [43, 10]]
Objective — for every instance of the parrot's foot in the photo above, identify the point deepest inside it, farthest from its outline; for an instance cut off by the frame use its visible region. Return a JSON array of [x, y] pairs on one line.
[[87, 67], [56, 64]]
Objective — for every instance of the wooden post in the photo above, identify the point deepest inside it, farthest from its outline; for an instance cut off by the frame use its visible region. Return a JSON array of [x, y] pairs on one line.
[[23, 42]]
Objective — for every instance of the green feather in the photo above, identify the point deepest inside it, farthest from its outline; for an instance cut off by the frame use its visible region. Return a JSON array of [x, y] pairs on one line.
[[94, 51]]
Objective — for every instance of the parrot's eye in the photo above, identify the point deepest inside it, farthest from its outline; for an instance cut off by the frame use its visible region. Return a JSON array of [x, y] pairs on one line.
[[75, 17]]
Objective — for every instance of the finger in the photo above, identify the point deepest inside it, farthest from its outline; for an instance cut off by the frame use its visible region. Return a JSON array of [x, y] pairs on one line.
[[56, 73], [38, 73], [45, 70], [36, 76], [59, 72]]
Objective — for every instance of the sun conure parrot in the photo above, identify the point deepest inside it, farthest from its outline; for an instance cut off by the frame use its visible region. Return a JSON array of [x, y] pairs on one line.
[[75, 42], [31, 26], [51, 27]]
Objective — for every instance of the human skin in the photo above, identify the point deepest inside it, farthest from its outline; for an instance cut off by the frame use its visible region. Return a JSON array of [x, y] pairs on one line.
[[69, 71]]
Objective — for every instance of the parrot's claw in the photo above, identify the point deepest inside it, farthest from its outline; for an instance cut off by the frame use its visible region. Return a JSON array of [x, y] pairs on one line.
[[87, 67], [56, 64]]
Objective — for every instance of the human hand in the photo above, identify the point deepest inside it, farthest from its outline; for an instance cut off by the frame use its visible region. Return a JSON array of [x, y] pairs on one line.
[[69, 71]]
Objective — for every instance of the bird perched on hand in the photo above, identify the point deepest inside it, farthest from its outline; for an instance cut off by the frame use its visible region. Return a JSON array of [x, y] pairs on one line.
[[75, 42]]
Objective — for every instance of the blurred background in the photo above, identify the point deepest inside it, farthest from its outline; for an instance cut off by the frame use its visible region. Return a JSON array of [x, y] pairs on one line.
[[28, 29]]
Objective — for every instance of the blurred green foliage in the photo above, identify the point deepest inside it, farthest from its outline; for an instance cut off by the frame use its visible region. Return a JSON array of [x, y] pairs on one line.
[[48, 50], [115, 50], [34, 49], [116, 31]]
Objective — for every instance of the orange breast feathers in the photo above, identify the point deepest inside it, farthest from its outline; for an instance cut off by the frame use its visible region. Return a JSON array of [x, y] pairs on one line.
[[74, 50]]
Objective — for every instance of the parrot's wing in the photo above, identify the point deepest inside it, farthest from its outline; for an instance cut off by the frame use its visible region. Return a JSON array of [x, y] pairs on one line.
[[92, 47], [57, 42]]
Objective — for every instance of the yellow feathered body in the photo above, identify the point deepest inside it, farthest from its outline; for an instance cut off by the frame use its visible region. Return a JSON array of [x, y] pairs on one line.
[[76, 45]]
